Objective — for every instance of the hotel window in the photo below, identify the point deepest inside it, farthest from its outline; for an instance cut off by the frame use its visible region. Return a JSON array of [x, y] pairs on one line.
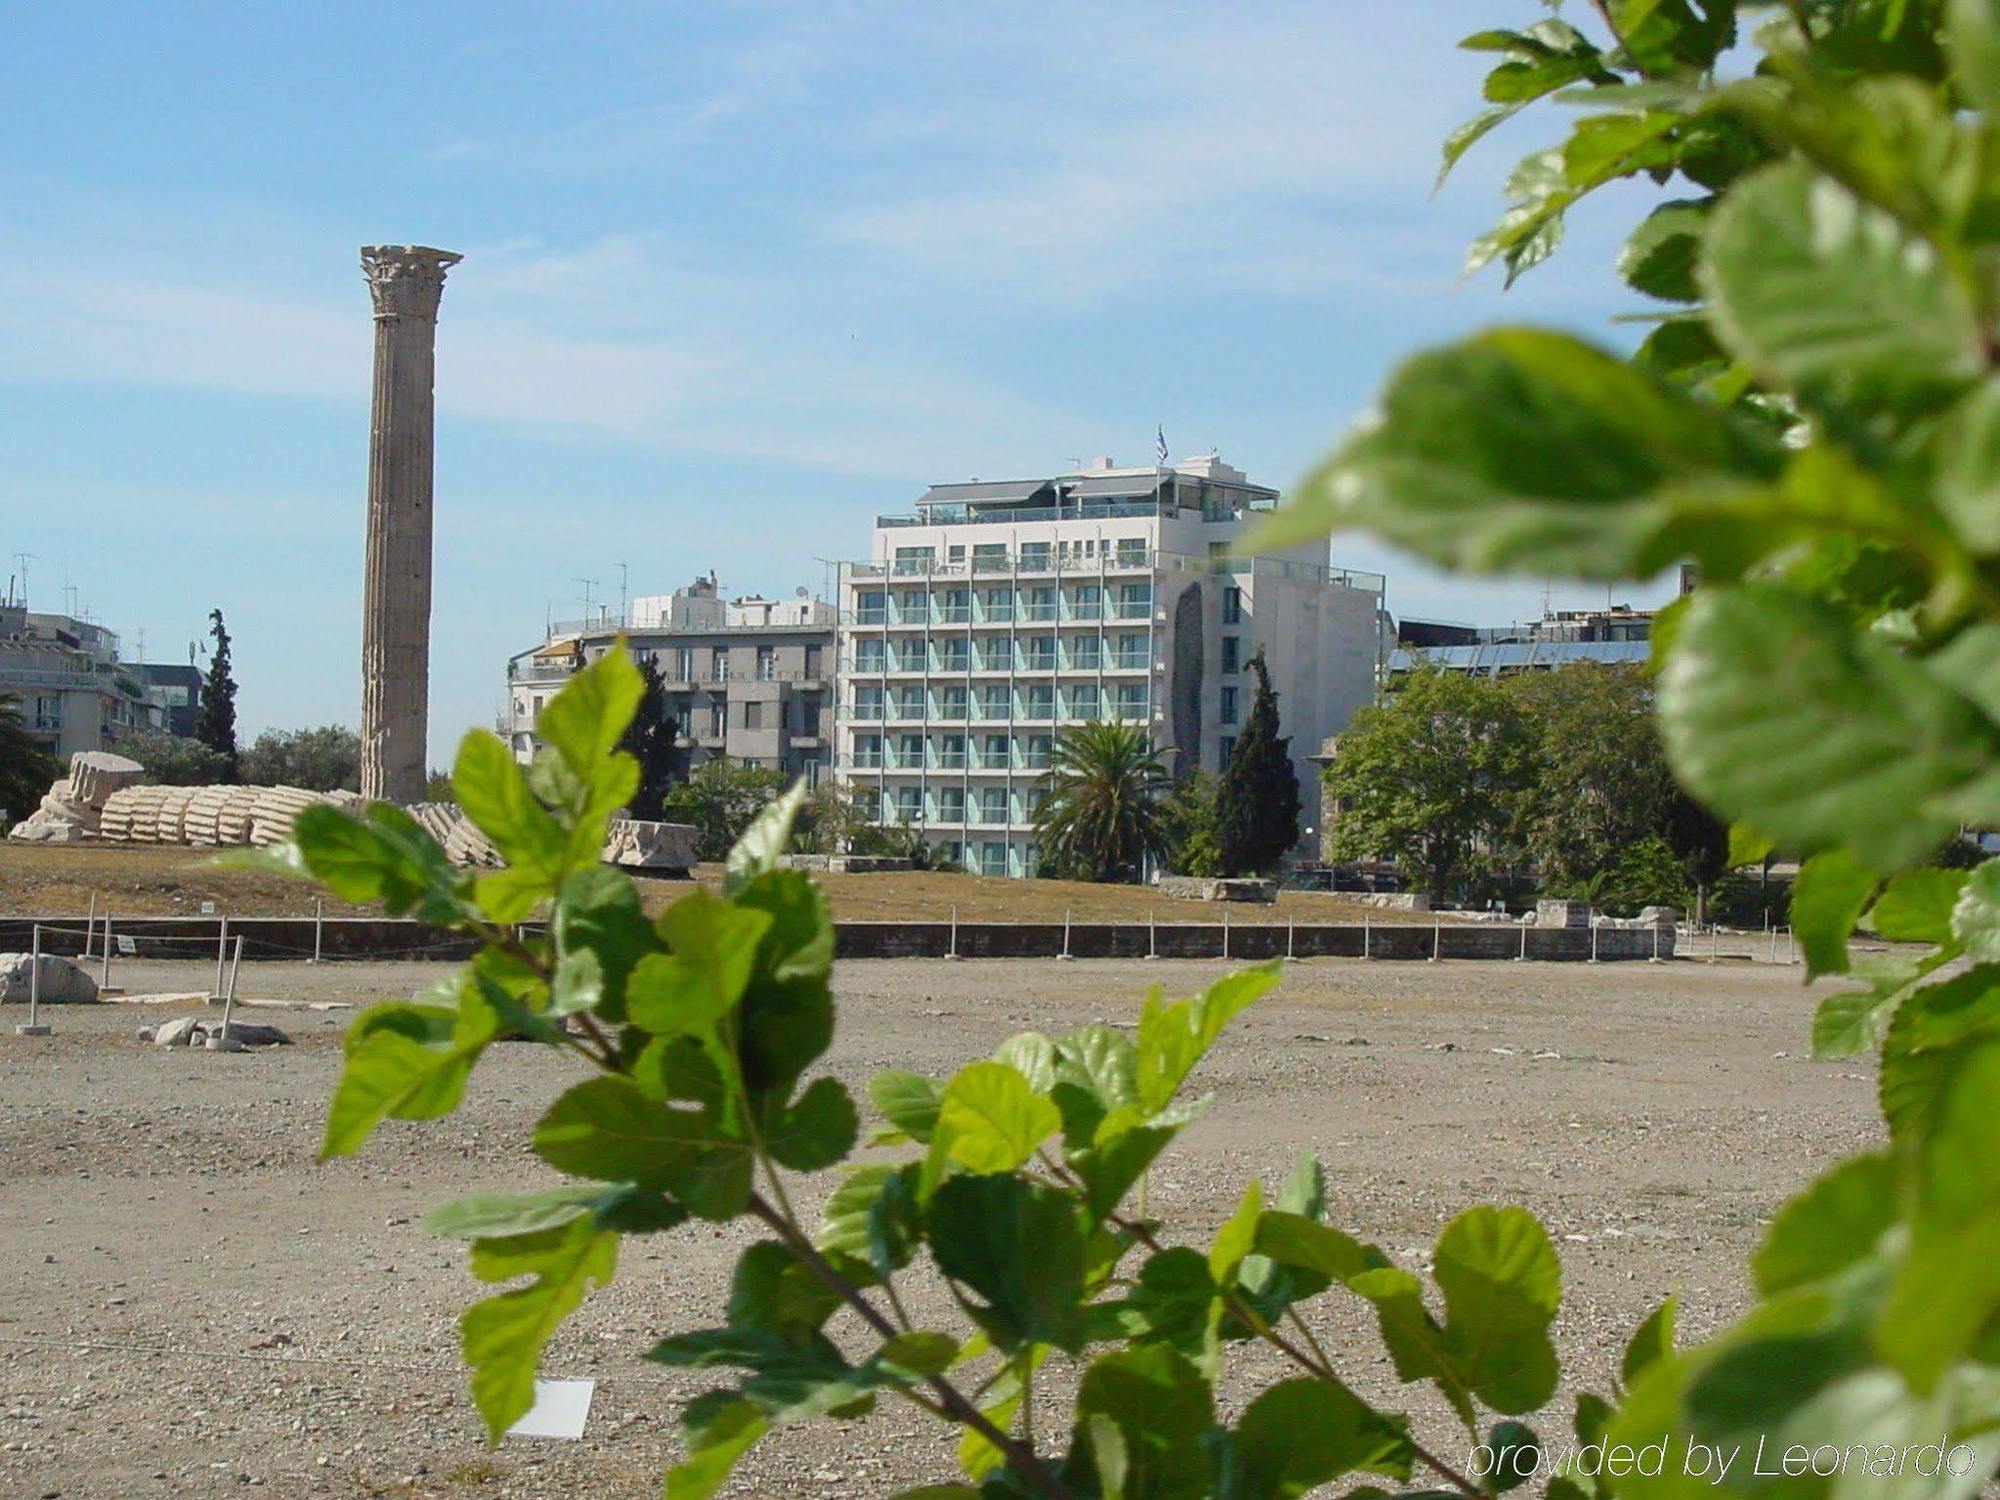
[[1041, 654], [753, 716], [808, 716], [955, 606], [1131, 700], [767, 663], [871, 606], [1229, 705], [993, 703], [1228, 748], [1218, 557], [1232, 606], [1086, 603], [951, 752], [1232, 653], [997, 654], [1083, 701], [909, 804], [999, 604], [1086, 652], [1036, 752], [868, 802], [1131, 552], [1035, 556], [868, 703], [995, 756], [871, 655], [910, 702], [812, 661], [993, 804], [1038, 703], [719, 663], [951, 853], [915, 559], [868, 750], [989, 557], [1131, 651], [952, 655], [992, 858], [718, 719], [1041, 605], [951, 804], [951, 703], [684, 663], [1135, 600], [913, 606], [909, 752]]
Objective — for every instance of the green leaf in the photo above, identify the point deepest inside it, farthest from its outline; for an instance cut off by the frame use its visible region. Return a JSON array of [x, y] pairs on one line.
[[775, 1291], [584, 722], [1502, 1285], [920, 1353], [767, 837], [1659, 257], [786, 1019], [1665, 37], [382, 856], [1827, 900], [1835, 1223], [1522, 450], [1545, 57], [1654, 1340], [1924, 1042], [1916, 906], [577, 985], [611, 1130], [909, 1101], [1966, 473], [815, 1130], [1747, 846], [1851, 745], [494, 794], [1110, 1168], [1300, 1434], [1855, 1021], [494, 1215], [1517, 1456], [1975, 918], [1033, 1056], [718, 1435], [406, 1062], [990, 1120], [503, 1336], [692, 988], [1161, 1405], [1237, 1237], [598, 912], [1173, 1302], [1017, 1246], [1832, 298], [1174, 1037], [1293, 1240], [1972, 35]]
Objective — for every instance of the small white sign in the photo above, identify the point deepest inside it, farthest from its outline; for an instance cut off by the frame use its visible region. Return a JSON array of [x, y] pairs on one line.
[[560, 1410], [126, 946], [208, 908]]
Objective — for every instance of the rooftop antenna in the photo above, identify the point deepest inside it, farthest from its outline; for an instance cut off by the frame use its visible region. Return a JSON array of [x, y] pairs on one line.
[[22, 559], [588, 585], [624, 618], [142, 644]]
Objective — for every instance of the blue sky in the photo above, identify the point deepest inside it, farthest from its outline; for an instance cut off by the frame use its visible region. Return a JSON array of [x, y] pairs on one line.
[[737, 277]]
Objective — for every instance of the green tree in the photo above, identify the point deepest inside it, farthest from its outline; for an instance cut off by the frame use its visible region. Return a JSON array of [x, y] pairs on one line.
[[1432, 778], [174, 759], [215, 715], [27, 771], [325, 759], [1188, 818], [1099, 817], [1257, 809], [720, 800], [653, 740]]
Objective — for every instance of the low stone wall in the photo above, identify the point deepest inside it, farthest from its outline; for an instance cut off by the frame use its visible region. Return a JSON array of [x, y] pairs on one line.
[[1207, 888], [844, 864], [1389, 900], [387, 938]]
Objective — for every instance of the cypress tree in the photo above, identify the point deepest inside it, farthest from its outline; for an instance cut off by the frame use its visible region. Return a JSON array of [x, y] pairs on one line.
[[652, 739], [1257, 808], [215, 719]]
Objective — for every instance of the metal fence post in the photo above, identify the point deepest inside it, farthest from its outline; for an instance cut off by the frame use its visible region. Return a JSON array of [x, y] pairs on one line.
[[221, 956], [104, 969], [952, 950], [1437, 938], [319, 920], [1225, 933], [1065, 948], [1366, 933], [34, 1026], [1593, 940], [229, 996], [1152, 938], [1291, 925], [90, 925], [1522, 956]]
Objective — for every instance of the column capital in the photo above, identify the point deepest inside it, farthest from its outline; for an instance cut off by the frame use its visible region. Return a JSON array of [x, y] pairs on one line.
[[406, 281]]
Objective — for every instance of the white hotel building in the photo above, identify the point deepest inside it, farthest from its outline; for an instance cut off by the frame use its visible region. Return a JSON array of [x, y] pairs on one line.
[[999, 612]]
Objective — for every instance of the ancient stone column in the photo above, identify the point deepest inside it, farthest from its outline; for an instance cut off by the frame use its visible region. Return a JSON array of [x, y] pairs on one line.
[[406, 282]]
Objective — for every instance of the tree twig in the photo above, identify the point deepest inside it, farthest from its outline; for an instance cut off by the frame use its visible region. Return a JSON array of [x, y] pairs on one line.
[[1019, 1455]]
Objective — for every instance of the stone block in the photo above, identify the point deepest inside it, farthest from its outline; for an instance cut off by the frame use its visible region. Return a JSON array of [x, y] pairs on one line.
[[1206, 888], [63, 982], [1563, 914], [95, 774], [637, 844], [1388, 900]]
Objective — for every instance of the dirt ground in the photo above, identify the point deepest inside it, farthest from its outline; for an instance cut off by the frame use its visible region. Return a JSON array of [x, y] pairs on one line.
[[155, 880], [193, 1307]]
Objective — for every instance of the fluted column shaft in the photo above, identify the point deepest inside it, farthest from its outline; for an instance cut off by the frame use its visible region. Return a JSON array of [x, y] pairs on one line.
[[406, 282]]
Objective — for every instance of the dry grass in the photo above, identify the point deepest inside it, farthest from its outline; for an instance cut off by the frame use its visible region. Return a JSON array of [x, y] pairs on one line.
[[147, 880]]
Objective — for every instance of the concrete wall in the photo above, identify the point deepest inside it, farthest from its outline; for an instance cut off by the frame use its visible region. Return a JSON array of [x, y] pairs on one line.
[[379, 938]]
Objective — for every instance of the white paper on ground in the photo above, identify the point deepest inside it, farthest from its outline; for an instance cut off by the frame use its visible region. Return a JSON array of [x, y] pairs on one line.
[[560, 1410]]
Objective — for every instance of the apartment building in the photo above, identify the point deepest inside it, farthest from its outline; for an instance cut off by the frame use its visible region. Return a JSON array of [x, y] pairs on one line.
[[998, 612], [749, 679], [75, 693]]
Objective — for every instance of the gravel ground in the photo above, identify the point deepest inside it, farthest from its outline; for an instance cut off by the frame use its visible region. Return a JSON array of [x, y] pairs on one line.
[[194, 1307]]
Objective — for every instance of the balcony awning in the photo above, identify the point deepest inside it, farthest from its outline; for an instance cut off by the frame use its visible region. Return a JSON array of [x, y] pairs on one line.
[[1003, 492], [1116, 486], [558, 650]]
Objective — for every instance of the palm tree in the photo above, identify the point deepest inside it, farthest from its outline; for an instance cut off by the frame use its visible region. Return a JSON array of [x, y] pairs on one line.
[[26, 770], [1100, 812]]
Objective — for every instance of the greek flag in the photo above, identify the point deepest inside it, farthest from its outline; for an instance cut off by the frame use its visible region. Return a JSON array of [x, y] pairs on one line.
[[1160, 443]]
